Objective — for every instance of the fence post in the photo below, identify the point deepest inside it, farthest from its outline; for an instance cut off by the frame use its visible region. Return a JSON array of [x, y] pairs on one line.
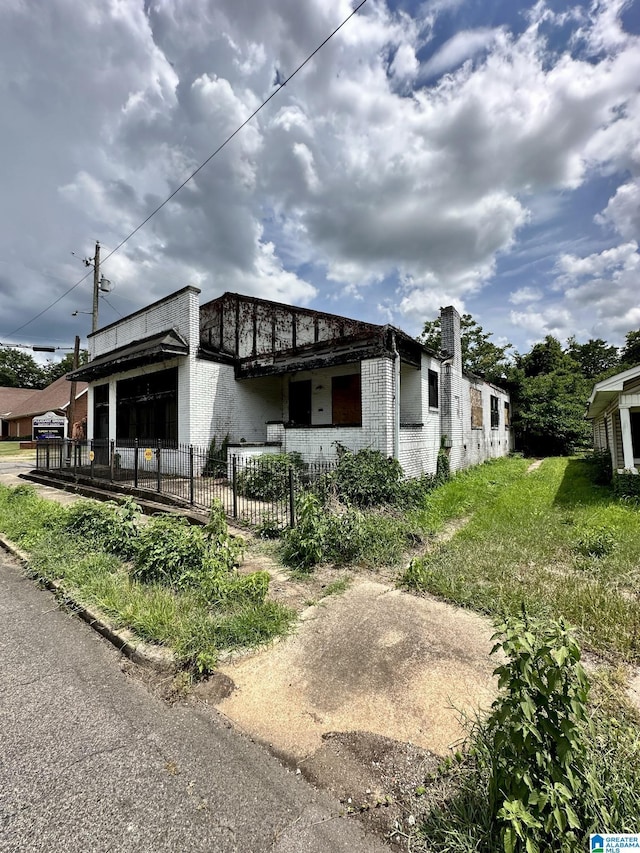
[[191, 495], [112, 457], [74, 450], [47, 456], [234, 469], [92, 456], [158, 477], [135, 463], [292, 502]]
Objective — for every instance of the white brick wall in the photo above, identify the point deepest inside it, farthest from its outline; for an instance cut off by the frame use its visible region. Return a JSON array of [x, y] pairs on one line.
[[177, 311], [212, 403]]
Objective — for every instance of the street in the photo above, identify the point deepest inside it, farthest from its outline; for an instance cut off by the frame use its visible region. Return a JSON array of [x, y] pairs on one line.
[[90, 760]]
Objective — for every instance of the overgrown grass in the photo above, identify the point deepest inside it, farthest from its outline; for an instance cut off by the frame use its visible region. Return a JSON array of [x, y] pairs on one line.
[[550, 539], [195, 626]]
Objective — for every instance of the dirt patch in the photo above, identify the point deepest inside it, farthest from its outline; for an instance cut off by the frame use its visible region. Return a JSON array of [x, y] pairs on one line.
[[534, 465], [372, 776]]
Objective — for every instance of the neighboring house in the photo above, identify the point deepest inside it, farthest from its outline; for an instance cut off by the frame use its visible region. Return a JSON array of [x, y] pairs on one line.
[[614, 409], [54, 398], [273, 377], [10, 399]]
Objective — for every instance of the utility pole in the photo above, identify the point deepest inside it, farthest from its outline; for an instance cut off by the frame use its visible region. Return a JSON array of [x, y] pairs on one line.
[[96, 286], [72, 398]]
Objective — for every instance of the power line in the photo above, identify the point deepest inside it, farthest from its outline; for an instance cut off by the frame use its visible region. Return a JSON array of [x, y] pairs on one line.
[[201, 166], [235, 132]]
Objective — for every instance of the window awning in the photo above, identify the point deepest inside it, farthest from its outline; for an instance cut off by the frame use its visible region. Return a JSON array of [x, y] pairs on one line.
[[160, 347]]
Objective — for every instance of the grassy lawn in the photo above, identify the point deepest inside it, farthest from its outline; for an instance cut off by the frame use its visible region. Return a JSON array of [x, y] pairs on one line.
[[12, 448], [549, 539], [198, 613]]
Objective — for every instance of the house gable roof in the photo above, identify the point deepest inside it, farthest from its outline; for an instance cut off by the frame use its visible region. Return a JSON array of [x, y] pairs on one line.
[[610, 389], [54, 397], [11, 398]]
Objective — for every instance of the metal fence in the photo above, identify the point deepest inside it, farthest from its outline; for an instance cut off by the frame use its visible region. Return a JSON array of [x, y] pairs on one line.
[[258, 490]]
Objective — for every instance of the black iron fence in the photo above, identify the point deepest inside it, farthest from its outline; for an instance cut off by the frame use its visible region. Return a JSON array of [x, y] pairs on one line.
[[257, 490]]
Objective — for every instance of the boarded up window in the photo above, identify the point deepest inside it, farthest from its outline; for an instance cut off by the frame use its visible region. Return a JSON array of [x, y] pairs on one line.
[[507, 414], [346, 400], [300, 403], [433, 389], [495, 412], [476, 408]]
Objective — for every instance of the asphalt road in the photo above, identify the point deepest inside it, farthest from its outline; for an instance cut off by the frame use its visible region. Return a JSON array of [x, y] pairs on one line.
[[90, 760]]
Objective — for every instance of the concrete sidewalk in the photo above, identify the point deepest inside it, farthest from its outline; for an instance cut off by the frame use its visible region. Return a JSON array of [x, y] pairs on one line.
[[374, 659]]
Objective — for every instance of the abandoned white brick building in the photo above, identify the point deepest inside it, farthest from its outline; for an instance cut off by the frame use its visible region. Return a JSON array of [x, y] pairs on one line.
[[269, 377]]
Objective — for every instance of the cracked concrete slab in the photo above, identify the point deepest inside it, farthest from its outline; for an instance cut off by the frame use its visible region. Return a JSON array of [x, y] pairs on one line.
[[375, 659]]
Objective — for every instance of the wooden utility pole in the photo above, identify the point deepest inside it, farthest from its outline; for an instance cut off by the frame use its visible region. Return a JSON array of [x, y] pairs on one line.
[[72, 397], [96, 287]]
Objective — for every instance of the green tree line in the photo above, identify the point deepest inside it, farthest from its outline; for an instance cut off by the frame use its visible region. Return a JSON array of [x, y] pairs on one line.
[[549, 385], [20, 370]]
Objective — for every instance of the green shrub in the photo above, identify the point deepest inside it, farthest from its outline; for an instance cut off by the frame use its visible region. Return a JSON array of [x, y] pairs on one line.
[[626, 485], [594, 542], [270, 526], [600, 466], [111, 525], [366, 478], [540, 777], [443, 466], [303, 545], [169, 551], [413, 491], [350, 536], [266, 477]]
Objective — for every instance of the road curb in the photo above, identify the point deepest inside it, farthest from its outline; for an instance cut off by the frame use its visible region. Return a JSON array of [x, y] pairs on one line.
[[156, 657]]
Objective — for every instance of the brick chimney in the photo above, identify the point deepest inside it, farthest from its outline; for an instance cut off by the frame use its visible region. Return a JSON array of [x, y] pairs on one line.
[[450, 334]]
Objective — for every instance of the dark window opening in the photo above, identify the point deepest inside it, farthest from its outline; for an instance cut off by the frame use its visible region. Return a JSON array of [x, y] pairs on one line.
[[507, 414], [147, 408], [635, 433], [433, 390], [300, 403], [495, 414], [101, 412], [476, 408], [346, 400]]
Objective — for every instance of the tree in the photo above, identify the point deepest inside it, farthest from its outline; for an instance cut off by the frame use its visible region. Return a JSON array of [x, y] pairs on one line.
[[595, 358], [544, 358], [479, 354], [549, 395], [54, 370], [20, 370], [548, 411], [630, 355]]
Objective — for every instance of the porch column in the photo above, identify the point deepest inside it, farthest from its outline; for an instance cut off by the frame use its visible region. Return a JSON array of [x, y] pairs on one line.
[[112, 409], [627, 444]]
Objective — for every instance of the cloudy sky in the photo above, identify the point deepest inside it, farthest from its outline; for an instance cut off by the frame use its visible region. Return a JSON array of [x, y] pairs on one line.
[[484, 153]]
